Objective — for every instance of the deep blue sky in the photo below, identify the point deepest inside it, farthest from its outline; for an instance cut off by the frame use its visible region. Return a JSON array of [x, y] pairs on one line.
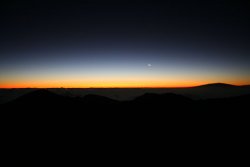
[[97, 43]]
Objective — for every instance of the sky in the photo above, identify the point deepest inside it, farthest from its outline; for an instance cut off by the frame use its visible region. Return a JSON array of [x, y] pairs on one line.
[[124, 43]]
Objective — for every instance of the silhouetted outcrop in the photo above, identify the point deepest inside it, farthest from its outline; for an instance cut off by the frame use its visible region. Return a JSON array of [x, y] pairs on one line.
[[216, 85], [98, 100], [40, 98]]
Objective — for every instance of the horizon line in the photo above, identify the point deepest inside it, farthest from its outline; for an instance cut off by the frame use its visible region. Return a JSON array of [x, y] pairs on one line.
[[136, 87]]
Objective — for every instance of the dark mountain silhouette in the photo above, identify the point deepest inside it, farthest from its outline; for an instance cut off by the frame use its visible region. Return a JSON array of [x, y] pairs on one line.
[[217, 90], [40, 97], [45, 98], [216, 85], [44, 103], [96, 99], [208, 91], [159, 113]]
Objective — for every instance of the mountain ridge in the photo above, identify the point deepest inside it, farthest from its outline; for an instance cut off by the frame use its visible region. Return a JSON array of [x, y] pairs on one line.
[[218, 84]]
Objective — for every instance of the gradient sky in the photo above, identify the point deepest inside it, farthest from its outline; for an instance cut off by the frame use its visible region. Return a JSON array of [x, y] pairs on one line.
[[124, 44]]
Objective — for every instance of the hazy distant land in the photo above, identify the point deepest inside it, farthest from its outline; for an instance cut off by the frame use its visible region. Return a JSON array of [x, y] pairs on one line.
[[209, 91]]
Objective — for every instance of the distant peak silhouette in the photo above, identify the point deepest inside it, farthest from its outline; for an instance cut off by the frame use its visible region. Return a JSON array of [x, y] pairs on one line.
[[41, 96], [41, 93], [217, 85]]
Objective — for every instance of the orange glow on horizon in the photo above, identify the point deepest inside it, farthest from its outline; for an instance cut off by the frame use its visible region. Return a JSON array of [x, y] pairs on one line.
[[109, 84]]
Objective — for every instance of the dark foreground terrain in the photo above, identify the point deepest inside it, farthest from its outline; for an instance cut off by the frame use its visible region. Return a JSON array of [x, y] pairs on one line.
[[45, 103], [42, 120]]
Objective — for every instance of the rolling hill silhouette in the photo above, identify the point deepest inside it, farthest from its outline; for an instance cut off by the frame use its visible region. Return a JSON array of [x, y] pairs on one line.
[[39, 96], [98, 100], [216, 85], [208, 91], [45, 99], [43, 109]]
